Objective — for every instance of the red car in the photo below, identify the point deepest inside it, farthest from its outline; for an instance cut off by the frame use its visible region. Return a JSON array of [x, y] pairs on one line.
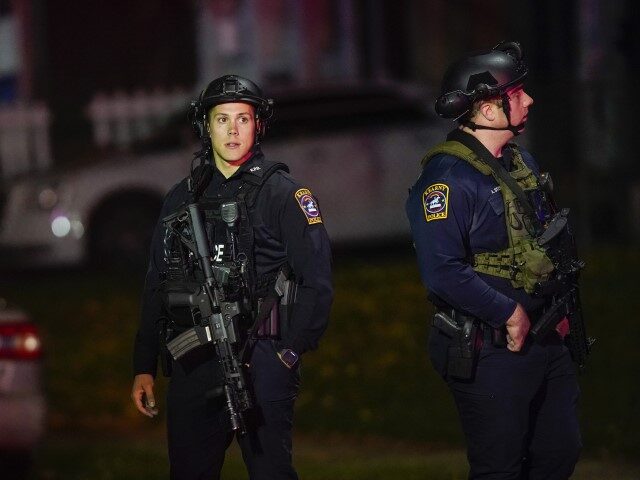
[[22, 402]]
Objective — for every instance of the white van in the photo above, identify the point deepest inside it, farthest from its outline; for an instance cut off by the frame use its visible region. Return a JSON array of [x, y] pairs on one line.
[[357, 148]]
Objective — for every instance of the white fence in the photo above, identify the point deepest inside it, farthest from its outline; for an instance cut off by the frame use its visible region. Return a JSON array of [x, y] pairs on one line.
[[24, 139], [119, 119]]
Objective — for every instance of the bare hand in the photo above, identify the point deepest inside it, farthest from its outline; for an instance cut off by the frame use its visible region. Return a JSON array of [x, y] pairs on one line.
[[563, 327], [517, 328], [142, 395]]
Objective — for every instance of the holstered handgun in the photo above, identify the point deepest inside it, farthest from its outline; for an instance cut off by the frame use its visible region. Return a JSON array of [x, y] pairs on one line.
[[463, 352]]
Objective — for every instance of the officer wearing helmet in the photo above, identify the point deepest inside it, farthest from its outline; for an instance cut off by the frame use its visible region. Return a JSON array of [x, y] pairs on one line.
[[475, 213], [279, 240]]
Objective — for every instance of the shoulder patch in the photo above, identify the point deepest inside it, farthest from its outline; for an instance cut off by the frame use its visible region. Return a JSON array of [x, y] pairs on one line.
[[309, 206], [435, 201]]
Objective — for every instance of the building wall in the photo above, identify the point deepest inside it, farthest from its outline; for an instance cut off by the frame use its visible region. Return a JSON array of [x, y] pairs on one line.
[[98, 45]]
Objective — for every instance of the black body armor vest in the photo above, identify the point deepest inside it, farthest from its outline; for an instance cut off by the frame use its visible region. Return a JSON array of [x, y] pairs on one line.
[[229, 229]]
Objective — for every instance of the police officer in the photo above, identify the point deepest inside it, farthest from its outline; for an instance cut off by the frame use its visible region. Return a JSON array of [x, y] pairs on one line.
[[281, 236], [474, 233]]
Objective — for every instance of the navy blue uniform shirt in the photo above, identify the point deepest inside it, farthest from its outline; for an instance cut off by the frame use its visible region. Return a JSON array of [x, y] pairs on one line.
[[286, 230], [472, 221]]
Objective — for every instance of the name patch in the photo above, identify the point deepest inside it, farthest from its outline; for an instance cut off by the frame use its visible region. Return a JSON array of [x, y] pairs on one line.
[[435, 200], [308, 205]]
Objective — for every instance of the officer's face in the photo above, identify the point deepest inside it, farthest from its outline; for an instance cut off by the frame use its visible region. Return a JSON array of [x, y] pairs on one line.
[[519, 103], [232, 127]]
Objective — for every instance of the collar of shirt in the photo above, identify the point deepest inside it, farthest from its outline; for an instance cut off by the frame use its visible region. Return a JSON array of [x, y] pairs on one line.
[[505, 159], [223, 187]]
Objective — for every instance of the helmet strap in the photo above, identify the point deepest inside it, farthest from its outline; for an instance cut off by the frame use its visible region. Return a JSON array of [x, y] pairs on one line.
[[515, 129]]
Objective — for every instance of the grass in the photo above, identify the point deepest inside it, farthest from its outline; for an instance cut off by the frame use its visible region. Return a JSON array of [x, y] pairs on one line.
[[316, 458]]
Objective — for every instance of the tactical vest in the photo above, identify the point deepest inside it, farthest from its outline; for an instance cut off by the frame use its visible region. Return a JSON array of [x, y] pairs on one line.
[[182, 270], [523, 262]]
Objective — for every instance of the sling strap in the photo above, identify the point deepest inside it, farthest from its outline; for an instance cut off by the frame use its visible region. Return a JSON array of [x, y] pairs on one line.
[[473, 144]]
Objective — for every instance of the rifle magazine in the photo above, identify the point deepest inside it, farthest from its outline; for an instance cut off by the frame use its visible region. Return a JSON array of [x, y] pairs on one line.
[[187, 341]]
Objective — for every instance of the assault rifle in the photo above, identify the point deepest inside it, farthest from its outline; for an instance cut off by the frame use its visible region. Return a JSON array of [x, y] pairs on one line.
[[217, 312], [559, 243]]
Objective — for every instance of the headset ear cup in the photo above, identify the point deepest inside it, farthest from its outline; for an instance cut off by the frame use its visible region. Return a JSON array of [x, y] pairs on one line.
[[453, 104], [193, 115], [268, 109], [264, 113], [197, 117]]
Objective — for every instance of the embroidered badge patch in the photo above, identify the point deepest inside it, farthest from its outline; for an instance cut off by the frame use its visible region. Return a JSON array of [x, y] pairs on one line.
[[435, 200], [309, 206]]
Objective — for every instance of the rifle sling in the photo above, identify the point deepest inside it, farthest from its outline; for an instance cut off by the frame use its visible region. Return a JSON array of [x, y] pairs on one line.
[[473, 144]]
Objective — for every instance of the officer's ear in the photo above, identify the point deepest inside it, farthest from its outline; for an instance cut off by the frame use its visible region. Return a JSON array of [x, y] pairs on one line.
[[489, 109]]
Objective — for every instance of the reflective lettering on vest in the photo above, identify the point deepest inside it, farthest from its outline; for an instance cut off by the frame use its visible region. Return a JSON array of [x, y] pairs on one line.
[[219, 239], [219, 252]]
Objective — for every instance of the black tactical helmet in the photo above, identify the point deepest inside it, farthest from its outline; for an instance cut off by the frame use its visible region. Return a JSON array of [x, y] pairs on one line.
[[481, 75], [228, 89]]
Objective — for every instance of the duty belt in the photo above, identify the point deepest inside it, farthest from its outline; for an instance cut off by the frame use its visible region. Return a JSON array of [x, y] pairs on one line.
[[452, 322]]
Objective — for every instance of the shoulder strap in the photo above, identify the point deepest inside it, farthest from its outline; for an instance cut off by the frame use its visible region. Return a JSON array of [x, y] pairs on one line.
[[255, 177], [459, 150], [481, 151], [253, 180]]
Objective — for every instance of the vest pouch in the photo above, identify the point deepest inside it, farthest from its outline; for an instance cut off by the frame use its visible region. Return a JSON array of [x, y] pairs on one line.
[[536, 267]]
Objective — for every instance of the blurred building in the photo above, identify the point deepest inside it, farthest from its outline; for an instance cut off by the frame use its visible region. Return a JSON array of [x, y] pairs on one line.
[[9, 66], [65, 53], [584, 57]]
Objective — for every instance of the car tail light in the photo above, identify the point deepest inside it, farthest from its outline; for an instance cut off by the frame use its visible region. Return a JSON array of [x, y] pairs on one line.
[[20, 341]]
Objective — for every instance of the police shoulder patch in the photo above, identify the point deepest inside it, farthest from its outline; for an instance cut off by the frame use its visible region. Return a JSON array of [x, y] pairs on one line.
[[309, 205], [435, 200]]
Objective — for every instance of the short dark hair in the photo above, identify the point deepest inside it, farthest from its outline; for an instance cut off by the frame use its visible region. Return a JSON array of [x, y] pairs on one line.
[[475, 108]]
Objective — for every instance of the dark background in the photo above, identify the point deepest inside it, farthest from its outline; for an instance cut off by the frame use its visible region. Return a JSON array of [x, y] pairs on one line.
[[370, 376], [584, 56]]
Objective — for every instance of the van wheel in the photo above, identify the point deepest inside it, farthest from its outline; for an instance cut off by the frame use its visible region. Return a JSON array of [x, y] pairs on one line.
[[121, 233]]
